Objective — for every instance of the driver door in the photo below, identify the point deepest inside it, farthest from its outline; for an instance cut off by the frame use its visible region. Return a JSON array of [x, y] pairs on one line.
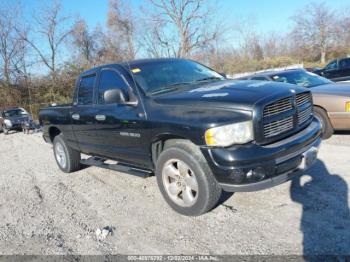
[[118, 126]]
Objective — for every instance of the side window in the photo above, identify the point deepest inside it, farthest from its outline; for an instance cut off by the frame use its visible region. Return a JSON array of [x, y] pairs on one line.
[[110, 79], [332, 65], [86, 90], [259, 78], [344, 63]]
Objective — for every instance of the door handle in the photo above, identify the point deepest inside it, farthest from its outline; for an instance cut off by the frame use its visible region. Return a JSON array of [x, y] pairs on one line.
[[100, 117], [76, 116]]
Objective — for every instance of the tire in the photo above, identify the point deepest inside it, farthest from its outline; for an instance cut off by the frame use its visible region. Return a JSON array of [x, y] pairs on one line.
[[326, 126], [5, 130], [67, 159], [192, 191]]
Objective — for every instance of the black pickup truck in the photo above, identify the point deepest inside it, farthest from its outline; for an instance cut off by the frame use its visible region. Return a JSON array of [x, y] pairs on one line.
[[199, 132], [336, 70]]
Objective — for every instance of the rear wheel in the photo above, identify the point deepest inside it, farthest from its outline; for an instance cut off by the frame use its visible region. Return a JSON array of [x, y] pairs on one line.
[[326, 126], [68, 159], [185, 179]]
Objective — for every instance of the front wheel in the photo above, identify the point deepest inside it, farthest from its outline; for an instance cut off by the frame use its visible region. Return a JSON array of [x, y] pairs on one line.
[[185, 180], [5, 130], [68, 159]]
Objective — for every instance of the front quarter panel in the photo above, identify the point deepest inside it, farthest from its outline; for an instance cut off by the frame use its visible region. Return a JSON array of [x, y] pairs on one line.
[[189, 122]]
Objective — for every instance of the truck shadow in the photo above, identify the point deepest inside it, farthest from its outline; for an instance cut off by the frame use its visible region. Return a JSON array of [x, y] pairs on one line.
[[325, 221], [224, 197]]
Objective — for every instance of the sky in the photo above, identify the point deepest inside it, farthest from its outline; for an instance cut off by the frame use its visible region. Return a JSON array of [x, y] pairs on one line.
[[269, 15]]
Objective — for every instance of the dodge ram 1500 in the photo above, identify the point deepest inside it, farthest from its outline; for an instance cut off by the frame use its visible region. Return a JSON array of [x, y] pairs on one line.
[[197, 131]]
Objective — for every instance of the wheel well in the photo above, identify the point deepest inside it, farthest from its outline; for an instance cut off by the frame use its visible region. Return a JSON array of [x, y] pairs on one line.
[[321, 108], [161, 143], [53, 132], [326, 112]]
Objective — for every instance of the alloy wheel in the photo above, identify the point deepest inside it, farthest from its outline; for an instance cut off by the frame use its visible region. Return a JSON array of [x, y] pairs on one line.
[[60, 155], [180, 183]]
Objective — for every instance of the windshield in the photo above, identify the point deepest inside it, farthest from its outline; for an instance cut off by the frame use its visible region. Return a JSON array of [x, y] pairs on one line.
[[15, 112], [166, 76], [301, 78]]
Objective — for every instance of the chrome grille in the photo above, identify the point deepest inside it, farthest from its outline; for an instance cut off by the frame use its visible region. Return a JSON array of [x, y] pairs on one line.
[[277, 127], [304, 115], [303, 98], [285, 115], [278, 107]]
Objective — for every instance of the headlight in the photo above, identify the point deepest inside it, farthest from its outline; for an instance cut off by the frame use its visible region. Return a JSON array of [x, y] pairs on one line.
[[239, 133], [347, 106], [7, 123]]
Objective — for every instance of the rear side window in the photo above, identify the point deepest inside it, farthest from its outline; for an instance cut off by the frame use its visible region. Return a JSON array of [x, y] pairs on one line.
[[345, 63], [332, 65], [110, 79], [86, 90]]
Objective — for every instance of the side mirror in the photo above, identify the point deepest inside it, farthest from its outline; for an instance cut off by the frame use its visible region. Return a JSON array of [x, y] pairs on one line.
[[117, 96], [114, 96]]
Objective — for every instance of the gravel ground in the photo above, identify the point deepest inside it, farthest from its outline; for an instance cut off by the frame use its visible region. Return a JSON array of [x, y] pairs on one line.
[[44, 211]]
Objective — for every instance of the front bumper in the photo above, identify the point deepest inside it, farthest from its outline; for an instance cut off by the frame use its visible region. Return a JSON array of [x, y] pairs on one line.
[[14, 126], [254, 167]]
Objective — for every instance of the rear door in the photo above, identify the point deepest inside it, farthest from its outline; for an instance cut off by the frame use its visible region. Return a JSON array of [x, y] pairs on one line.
[[83, 114], [331, 71], [119, 127], [344, 69]]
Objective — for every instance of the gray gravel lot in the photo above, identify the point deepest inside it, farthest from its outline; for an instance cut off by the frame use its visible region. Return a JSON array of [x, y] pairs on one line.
[[44, 211]]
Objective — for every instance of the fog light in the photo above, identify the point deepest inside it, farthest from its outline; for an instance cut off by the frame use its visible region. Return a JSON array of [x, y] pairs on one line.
[[259, 173]]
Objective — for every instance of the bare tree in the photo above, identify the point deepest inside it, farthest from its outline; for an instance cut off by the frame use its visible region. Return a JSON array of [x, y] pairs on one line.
[[182, 27], [343, 33], [315, 29], [121, 28], [249, 40], [84, 41], [50, 27], [10, 44], [155, 42]]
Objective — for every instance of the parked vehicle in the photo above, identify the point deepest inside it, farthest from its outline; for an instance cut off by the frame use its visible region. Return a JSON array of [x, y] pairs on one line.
[[198, 131], [336, 70], [331, 100], [312, 69], [13, 119]]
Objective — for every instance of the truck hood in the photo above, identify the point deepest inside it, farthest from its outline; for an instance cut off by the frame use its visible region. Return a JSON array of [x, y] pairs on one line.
[[242, 95], [339, 89]]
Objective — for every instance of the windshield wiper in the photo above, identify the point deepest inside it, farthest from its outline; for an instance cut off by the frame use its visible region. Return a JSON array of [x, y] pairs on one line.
[[163, 90], [209, 78], [176, 85], [170, 88]]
